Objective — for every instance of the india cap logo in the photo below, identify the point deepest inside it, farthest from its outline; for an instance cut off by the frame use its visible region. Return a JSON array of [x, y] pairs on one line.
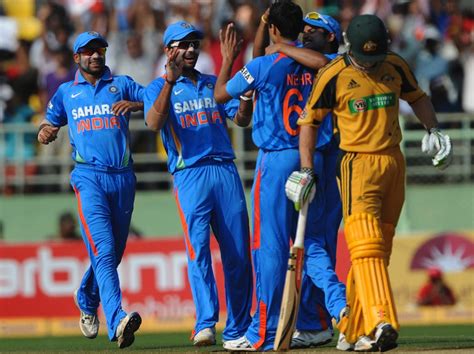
[[369, 46]]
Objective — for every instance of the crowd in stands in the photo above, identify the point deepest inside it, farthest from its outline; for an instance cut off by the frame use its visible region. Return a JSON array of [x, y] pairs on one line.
[[435, 37]]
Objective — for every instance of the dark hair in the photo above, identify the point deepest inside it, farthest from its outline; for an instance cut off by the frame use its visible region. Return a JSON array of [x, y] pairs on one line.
[[287, 17]]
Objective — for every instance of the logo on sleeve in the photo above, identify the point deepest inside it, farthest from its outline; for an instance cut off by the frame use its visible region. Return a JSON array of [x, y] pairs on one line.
[[369, 103], [50, 105], [246, 74]]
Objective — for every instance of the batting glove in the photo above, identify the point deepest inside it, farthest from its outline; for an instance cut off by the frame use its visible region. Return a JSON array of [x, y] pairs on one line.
[[301, 187], [437, 145]]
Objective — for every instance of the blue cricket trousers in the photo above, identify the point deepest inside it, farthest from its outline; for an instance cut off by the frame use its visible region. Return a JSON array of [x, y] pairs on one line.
[[210, 194], [105, 203]]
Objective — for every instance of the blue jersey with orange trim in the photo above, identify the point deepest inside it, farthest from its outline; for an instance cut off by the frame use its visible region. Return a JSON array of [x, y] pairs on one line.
[[98, 137], [326, 129], [196, 128], [282, 87]]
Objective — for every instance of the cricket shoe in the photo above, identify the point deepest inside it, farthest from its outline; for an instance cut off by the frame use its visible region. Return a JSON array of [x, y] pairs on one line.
[[126, 329], [365, 344], [89, 324], [239, 345], [343, 344], [205, 337], [307, 339], [385, 337]]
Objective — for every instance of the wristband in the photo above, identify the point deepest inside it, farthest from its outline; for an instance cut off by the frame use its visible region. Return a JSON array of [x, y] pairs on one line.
[[245, 98], [308, 170]]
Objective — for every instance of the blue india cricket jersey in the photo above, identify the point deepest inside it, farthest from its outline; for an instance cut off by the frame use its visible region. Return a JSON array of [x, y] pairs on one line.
[[196, 128], [282, 87], [98, 137]]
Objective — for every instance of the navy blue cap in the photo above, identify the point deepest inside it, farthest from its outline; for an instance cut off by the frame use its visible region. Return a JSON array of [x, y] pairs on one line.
[[324, 21], [179, 30], [84, 38]]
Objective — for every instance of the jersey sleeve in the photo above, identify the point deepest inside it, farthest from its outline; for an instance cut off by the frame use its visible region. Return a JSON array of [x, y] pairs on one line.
[[151, 93], [321, 100], [410, 91], [55, 112], [231, 108], [135, 90], [245, 79]]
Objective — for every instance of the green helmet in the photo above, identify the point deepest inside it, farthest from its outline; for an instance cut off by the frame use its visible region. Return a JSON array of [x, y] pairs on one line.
[[367, 38]]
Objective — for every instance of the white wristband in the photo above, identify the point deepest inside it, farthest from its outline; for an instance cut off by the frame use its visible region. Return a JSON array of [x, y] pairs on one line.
[[245, 98]]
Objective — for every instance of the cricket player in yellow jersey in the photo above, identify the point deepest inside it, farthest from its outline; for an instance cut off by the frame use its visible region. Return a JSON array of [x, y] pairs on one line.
[[362, 89]]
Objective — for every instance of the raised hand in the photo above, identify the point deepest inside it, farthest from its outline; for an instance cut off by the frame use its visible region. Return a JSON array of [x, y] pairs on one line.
[[230, 43], [174, 65]]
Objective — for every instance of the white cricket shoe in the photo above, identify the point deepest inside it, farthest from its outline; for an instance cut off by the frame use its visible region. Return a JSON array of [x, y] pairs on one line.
[[126, 329], [205, 337], [89, 324], [365, 344], [239, 345], [343, 344], [307, 339], [385, 336]]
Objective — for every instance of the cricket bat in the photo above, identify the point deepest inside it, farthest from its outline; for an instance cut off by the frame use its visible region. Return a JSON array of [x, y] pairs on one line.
[[292, 291]]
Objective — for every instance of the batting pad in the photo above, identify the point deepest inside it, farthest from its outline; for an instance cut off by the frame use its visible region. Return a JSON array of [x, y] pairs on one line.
[[353, 325], [369, 256], [388, 232]]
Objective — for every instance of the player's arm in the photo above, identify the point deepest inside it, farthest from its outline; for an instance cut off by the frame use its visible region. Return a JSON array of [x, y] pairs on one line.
[[158, 113], [54, 119], [423, 109], [230, 49], [135, 93], [262, 37], [243, 117], [307, 57]]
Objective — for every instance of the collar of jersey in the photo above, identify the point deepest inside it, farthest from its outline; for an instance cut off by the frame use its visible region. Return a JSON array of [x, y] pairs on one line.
[[79, 79], [182, 78]]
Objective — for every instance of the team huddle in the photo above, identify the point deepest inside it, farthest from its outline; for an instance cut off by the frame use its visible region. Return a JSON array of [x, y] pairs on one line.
[[327, 132]]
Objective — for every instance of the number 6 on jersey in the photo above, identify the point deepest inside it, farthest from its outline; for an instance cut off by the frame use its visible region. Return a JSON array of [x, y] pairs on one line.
[[291, 293]]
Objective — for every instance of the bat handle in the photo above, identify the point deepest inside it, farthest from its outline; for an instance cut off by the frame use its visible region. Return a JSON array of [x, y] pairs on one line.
[[300, 229]]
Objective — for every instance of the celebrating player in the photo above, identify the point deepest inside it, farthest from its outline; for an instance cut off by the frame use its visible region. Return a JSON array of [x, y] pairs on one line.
[[281, 86], [96, 106], [207, 186], [326, 300], [362, 89]]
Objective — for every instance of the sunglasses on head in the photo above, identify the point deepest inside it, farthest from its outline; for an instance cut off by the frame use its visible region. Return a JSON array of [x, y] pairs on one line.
[[185, 44], [317, 16], [90, 52]]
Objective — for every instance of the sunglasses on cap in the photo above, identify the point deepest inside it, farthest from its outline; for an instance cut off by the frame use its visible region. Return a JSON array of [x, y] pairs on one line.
[[90, 51], [317, 16], [185, 44]]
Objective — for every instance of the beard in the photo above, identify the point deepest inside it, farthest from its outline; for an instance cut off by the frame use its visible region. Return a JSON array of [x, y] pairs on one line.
[[315, 41]]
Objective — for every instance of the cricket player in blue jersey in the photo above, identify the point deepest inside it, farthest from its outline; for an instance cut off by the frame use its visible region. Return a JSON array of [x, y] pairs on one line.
[[207, 186], [322, 34], [96, 108], [281, 87]]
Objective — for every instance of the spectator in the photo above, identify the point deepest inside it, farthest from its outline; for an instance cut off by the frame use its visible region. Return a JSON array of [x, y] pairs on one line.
[[67, 228], [435, 292]]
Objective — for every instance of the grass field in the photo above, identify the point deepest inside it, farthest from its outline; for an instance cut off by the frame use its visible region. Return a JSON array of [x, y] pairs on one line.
[[442, 339]]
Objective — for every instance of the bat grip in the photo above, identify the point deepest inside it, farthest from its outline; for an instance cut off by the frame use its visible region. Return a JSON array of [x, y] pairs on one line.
[[300, 229]]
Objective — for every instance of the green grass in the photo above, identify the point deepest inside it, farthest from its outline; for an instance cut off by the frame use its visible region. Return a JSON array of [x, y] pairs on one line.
[[412, 339]]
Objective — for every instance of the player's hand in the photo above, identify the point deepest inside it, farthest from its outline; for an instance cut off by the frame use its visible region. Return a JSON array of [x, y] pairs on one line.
[[438, 146], [274, 48], [301, 187], [123, 107], [230, 43], [174, 65], [47, 134]]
